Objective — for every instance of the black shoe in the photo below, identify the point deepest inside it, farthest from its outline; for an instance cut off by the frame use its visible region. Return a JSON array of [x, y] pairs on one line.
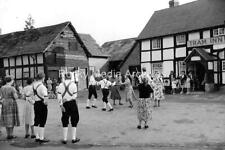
[[64, 142], [110, 109], [131, 106], [146, 126], [120, 103], [94, 106], [11, 137], [43, 141], [37, 140], [139, 127], [88, 107], [76, 140], [27, 136], [103, 109], [32, 136]]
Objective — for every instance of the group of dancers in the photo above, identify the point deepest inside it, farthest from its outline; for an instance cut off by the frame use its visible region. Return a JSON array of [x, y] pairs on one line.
[[149, 88], [35, 95]]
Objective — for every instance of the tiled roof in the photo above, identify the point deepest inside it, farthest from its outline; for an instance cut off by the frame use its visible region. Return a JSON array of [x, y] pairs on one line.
[[92, 45], [28, 42], [118, 49], [191, 16], [200, 52]]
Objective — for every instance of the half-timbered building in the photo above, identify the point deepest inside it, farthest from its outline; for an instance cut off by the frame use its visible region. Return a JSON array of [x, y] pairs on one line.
[[189, 37], [52, 50]]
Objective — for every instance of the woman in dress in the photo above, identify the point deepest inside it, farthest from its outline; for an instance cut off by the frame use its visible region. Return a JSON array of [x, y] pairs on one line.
[[28, 96], [144, 112], [129, 90], [158, 90], [10, 114], [115, 95]]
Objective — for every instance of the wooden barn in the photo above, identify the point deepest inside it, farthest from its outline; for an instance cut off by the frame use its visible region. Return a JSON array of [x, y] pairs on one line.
[[51, 49]]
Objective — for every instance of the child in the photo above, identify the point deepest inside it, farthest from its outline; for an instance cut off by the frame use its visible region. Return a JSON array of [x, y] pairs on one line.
[[174, 85], [28, 96], [115, 95]]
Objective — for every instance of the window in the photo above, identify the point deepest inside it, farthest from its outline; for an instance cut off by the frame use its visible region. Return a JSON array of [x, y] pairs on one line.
[[219, 31], [156, 43], [145, 45], [180, 39], [180, 66], [223, 65], [215, 32], [157, 68]]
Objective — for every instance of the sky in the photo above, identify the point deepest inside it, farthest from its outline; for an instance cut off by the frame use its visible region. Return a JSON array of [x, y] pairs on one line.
[[104, 20]]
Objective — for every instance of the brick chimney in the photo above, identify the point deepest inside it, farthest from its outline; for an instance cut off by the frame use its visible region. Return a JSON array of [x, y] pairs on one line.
[[173, 3]]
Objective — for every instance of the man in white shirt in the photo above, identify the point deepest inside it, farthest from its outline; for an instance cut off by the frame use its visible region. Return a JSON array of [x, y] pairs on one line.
[[105, 92], [92, 91], [40, 107], [67, 94]]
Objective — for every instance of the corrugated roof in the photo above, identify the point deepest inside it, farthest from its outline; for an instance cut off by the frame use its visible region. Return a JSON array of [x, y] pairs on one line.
[[92, 45], [29, 42], [191, 16], [118, 49]]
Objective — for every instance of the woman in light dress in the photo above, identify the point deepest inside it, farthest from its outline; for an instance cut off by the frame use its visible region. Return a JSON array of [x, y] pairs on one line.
[[28, 115], [158, 89], [129, 90]]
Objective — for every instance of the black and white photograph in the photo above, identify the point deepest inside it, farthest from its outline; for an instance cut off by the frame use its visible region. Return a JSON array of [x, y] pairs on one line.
[[112, 74]]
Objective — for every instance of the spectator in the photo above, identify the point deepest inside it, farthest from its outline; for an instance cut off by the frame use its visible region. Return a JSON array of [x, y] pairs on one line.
[[28, 96], [10, 114], [183, 79]]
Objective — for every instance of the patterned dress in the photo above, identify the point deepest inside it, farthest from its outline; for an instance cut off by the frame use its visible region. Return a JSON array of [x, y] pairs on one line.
[[28, 113], [129, 90], [10, 114], [144, 111], [158, 89]]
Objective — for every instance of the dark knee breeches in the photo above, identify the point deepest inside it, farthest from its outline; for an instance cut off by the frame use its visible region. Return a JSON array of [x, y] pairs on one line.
[[71, 113], [105, 93], [40, 114], [92, 91]]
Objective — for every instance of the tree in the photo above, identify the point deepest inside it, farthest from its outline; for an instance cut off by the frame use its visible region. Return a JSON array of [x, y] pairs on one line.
[[29, 23]]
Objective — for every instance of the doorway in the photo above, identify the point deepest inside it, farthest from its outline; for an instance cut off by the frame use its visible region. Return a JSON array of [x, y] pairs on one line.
[[198, 74]]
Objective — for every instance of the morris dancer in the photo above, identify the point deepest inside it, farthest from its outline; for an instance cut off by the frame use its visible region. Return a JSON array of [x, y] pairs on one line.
[[105, 92], [67, 94], [40, 108], [92, 91]]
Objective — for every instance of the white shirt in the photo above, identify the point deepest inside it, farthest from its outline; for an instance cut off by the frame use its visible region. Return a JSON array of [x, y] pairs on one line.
[[105, 84], [41, 90], [92, 80], [145, 75], [72, 89]]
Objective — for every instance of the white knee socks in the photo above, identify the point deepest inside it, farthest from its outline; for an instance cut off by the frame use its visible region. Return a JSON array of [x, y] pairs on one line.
[[42, 133], [65, 132], [104, 105], [88, 102], [109, 105], [94, 101], [74, 133], [37, 130]]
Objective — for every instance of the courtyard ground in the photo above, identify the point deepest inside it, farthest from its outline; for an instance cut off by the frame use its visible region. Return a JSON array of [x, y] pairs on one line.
[[182, 122]]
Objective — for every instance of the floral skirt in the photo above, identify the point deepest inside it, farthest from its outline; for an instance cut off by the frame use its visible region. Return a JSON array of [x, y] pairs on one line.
[[10, 114], [144, 111]]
